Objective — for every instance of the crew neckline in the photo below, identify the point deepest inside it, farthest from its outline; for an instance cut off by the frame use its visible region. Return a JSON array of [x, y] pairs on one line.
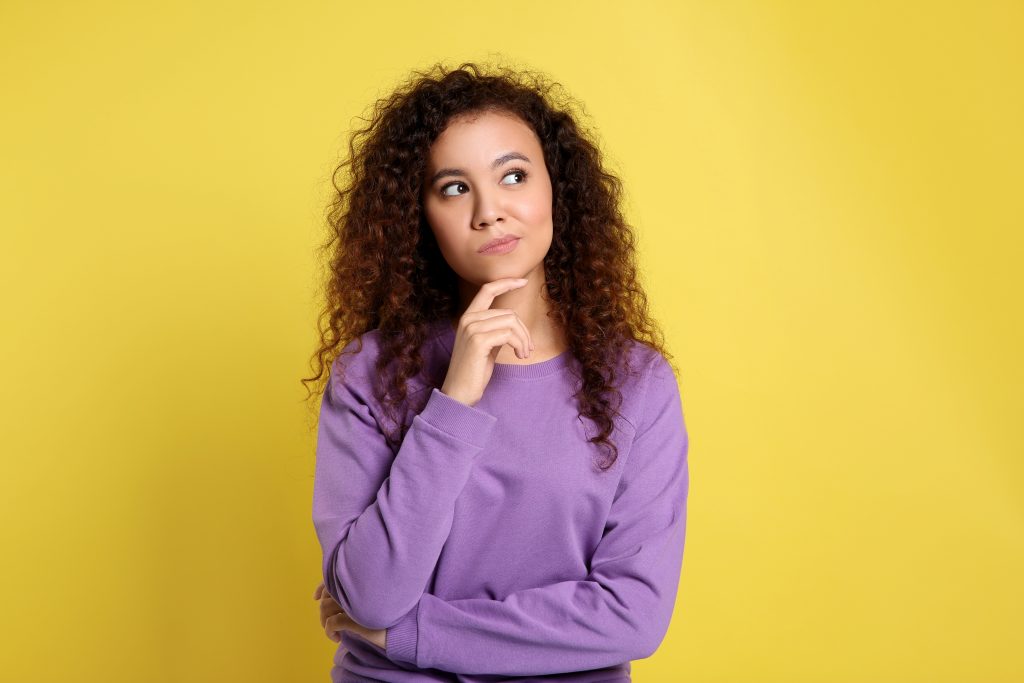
[[446, 333]]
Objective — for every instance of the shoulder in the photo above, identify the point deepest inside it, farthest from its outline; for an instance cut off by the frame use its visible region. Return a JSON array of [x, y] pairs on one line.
[[661, 402], [658, 386], [356, 366], [356, 362], [646, 373], [646, 365]]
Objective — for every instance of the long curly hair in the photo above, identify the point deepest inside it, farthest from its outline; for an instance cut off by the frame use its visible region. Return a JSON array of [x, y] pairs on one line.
[[385, 270]]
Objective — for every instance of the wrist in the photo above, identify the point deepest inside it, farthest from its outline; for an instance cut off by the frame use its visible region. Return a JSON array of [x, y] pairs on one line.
[[458, 397]]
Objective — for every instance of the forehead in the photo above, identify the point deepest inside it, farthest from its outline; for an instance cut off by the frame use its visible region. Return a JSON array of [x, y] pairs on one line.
[[478, 139]]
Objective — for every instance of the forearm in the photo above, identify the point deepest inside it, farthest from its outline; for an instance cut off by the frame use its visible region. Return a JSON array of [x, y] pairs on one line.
[[378, 559]]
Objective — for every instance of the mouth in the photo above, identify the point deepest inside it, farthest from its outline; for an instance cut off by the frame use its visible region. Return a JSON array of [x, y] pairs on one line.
[[499, 245]]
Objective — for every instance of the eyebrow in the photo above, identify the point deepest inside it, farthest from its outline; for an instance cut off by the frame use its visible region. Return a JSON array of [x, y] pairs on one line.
[[495, 164]]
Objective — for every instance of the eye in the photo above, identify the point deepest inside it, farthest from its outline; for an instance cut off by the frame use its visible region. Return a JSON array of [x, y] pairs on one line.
[[511, 171], [444, 190], [517, 171]]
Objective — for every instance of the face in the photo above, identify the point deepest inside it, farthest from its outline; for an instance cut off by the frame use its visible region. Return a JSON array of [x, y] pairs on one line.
[[486, 178]]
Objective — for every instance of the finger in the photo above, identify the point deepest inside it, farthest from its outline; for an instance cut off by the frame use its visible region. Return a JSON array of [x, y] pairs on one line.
[[492, 313], [319, 591], [526, 334], [329, 603], [329, 607], [324, 614], [500, 337], [326, 599], [332, 633], [489, 290], [325, 619], [473, 316], [326, 611], [502, 329], [339, 622]]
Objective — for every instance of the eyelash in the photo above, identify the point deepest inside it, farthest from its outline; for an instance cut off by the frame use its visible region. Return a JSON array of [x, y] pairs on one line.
[[459, 182]]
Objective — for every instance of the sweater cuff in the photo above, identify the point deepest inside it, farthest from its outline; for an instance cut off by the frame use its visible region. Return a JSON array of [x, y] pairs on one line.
[[401, 639], [464, 422]]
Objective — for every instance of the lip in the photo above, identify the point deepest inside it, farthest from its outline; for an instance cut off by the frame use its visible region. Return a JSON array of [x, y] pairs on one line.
[[500, 245]]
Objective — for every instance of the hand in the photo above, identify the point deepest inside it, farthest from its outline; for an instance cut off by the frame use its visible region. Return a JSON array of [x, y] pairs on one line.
[[334, 620], [481, 333]]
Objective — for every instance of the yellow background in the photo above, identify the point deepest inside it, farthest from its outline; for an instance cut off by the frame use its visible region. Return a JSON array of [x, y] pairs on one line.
[[829, 203]]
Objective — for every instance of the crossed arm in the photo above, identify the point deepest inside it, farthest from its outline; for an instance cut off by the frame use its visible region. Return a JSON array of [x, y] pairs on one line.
[[382, 526]]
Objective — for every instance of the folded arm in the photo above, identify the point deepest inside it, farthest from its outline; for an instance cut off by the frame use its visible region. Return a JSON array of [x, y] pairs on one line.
[[381, 518], [619, 612]]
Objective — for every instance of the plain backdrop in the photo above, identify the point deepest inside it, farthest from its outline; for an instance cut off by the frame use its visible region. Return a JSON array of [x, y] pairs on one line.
[[828, 201]]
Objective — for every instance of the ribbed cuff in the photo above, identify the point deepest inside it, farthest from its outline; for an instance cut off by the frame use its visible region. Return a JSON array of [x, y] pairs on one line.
[[402, 638], [464, 422]]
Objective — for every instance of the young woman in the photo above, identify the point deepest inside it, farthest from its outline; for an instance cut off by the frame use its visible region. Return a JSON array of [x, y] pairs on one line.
[[501, 475]]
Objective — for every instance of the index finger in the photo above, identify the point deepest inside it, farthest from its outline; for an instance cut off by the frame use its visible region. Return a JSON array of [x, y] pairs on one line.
[[485, 297]]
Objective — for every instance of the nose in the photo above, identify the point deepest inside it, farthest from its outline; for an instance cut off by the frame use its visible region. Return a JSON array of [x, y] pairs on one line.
[[487, 210]]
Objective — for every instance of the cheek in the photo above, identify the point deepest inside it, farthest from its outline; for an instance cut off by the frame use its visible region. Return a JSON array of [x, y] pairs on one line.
[[537, 214], [536, 208], [442, 225]]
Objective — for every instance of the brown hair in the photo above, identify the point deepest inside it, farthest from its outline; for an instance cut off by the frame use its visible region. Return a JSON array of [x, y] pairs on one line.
[[386, 271]]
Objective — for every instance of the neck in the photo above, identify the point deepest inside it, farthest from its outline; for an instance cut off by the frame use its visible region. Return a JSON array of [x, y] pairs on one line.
[[531, 306]]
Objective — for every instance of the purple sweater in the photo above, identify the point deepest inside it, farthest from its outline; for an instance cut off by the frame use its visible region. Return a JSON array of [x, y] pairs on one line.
[[489, 545]]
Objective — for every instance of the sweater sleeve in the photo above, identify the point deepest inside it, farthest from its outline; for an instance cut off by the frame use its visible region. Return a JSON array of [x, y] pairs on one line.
[[382, 518], [618, 613]]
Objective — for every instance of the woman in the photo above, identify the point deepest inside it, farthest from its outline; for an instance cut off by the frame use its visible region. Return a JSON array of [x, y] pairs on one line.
[[496, 341]]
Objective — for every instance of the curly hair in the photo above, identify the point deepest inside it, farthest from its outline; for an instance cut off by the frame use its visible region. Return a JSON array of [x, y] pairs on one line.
[[385, 270]]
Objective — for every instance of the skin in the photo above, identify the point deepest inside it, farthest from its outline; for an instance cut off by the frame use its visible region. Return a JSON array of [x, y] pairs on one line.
[[504, 314], [468, 209], [334, 620]]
